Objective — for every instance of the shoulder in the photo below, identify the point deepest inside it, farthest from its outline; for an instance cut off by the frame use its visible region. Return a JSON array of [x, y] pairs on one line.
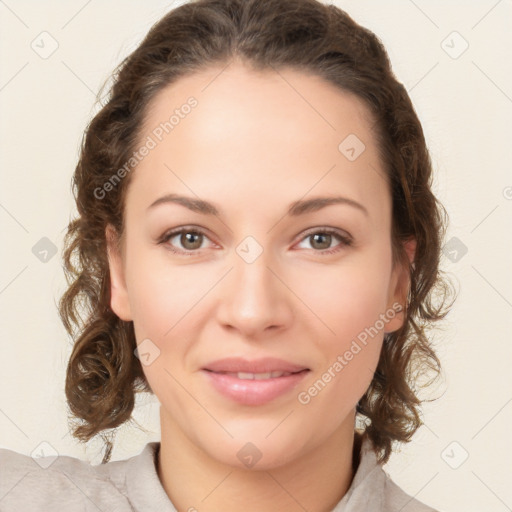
[[395, 498], [373, 489], [60, 482]]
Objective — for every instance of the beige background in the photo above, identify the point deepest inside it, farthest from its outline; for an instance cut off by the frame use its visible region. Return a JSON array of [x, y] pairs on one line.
[[465, 104]]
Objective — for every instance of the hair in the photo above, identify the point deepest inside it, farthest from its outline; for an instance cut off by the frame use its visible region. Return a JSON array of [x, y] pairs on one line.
[[103, 375]]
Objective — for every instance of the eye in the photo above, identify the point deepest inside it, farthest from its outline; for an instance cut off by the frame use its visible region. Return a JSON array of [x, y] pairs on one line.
[[322, 238], [191, 240]]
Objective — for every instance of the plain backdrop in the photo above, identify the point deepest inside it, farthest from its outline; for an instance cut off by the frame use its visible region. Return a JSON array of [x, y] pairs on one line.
[[454, 59]]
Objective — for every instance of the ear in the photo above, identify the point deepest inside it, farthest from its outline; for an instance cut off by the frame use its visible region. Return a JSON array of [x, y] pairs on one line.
[[118, 292], [399, 288]]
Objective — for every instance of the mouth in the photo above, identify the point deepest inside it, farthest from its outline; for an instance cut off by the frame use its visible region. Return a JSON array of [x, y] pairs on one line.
[[257, 376], [259, 366], [255, 382]]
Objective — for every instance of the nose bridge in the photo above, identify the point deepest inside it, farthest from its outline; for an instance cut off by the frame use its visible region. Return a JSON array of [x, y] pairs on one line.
[[253, 279], [255, 298]]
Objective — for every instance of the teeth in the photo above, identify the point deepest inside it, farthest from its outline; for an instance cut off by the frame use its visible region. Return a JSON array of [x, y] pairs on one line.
[[259, 376]]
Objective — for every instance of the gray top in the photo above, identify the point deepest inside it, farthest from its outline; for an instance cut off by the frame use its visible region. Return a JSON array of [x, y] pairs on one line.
[[70, 484]]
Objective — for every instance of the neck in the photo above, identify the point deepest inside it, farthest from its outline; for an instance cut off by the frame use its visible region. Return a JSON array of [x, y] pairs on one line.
[[316, 481]]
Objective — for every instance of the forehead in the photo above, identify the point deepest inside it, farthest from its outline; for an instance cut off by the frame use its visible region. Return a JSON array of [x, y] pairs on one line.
[[270, 133], [260, 103]]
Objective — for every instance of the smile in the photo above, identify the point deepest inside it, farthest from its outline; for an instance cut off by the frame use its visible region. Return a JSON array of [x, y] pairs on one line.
[[254, 382]]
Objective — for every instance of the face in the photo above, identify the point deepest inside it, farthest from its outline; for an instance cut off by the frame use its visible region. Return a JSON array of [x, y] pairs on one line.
[[261, 313]]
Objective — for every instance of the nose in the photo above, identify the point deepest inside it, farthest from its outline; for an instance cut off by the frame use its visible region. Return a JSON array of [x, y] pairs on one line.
[[254, 298]]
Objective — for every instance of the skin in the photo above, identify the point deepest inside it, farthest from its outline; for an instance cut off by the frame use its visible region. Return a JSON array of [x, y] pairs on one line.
[[252, 146]]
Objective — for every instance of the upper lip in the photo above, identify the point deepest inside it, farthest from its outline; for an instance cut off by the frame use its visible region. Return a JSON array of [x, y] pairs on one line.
[[262, 365]]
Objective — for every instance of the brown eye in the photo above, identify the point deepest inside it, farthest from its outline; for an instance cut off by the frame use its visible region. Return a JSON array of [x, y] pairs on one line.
[[184, 241], [191, 240], [321, 240]]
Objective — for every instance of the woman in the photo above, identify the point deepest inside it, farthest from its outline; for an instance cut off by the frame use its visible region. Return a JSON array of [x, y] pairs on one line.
[[257, 244]]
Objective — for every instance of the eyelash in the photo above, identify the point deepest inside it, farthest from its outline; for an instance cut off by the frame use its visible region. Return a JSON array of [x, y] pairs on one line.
[[346, 240]]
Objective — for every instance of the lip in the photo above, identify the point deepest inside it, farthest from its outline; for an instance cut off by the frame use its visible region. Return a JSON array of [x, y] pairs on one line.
[[253, 392], [262, 365]]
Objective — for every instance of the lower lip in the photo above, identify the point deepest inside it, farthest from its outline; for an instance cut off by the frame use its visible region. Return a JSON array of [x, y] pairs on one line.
[[252, 391]]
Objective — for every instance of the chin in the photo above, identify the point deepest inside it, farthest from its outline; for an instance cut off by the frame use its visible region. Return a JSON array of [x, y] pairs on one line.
[[256, 452]]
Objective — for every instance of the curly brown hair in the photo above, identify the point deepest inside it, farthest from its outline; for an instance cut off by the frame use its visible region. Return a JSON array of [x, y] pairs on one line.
[[103, 374]]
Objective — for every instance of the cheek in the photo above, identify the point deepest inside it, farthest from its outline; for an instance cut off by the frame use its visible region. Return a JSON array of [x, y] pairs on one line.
[[346, 301], [161, 294], [162, 302], [350, 302], [350, 306], [165, 304]]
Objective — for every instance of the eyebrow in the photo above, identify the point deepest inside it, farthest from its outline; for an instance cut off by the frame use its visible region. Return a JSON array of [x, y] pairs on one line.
[[297, 208]]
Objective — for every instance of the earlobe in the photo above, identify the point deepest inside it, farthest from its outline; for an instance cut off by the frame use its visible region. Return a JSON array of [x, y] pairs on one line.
[[118, 292], [400, 288]]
